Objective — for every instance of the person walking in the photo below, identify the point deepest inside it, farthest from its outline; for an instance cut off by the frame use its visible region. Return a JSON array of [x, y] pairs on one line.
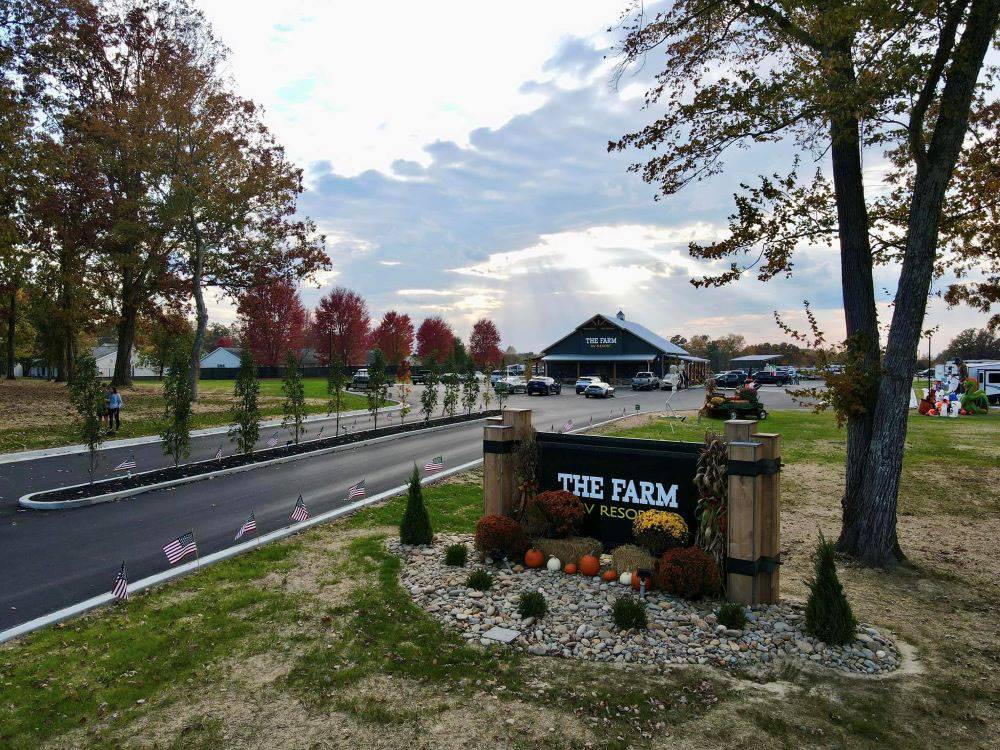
[[114, 410]]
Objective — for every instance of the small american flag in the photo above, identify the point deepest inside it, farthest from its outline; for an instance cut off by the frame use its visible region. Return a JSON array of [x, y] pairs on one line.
[[127, 465], [435, 464], [568, 426], [181, 546], [356, 490], [321, 431], [248, 525], [218, 454], [272, 441], [120, 590], [300, 512]]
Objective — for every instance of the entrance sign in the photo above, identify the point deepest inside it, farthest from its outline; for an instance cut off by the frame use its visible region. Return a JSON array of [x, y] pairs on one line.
[[618, 478]]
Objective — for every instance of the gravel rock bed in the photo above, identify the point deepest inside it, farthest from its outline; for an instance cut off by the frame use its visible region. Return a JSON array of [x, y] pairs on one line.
[[579, 624]]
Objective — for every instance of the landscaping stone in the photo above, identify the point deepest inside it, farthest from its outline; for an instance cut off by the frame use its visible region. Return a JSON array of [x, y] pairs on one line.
[[579, 623]]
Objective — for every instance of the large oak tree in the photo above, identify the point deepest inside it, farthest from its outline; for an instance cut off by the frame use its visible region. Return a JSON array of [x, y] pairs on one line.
[[839, 78]]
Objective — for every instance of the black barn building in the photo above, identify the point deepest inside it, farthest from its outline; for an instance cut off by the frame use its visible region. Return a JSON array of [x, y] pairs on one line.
[[613, 348]]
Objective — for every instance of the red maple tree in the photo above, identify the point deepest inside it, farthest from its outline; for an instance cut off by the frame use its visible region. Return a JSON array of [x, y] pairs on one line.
[[484, 344], [435, 340], [272, 321], [394, 336], [342, 317]]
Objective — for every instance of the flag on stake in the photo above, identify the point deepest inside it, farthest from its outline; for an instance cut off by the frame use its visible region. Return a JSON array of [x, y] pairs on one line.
[[356, 490], [272, 441], [120, 590], [218, 453], [568, 426], [127, 465], [591, 419], [248, 525], [321, 431], [434, 465], [180, 547], [300, 512]]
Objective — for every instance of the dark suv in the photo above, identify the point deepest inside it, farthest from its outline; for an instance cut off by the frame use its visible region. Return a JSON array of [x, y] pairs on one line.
[[731, 379], [543, 386], [770, 377]]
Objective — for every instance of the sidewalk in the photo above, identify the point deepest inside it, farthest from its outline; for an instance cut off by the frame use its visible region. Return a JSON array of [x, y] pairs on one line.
[[68, 450]]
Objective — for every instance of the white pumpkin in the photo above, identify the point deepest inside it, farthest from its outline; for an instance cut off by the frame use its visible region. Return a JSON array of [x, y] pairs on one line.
[[554, 564], [625, 579]]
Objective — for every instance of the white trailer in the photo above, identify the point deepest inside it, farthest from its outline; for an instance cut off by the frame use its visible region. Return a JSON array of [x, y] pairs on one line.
[[985, 371]]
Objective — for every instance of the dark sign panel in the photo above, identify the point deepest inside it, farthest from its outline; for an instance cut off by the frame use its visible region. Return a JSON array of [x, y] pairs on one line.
[[618, 478]]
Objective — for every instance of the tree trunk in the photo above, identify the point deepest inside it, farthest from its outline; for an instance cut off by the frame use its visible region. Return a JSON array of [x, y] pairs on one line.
[[873, 539], [11, 333], [858, 289], [126, 339], [201, 315]]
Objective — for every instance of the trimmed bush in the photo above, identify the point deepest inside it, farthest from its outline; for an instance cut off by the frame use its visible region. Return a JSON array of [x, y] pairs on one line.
[[570, 549], [629, 613], [415, 528], [689, 573], [564, 511], [479, 580], [500, 537], [456, 554], [658, 531], [828, 613], [629, 557], [732, 615], [532, 604]]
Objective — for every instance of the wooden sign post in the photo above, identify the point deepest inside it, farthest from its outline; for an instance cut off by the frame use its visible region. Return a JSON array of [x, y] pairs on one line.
[[501, 436], [754, 532]]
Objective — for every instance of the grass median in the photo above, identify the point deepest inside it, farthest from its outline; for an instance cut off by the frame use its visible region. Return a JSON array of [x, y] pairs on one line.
[[311, 642]]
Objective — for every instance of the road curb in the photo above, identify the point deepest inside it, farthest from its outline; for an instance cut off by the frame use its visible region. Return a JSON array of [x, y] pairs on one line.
[[25, 501], [72, 450]]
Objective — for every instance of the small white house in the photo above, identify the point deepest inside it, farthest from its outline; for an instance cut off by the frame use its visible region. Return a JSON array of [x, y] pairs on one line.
[[222, 356], [105, 355]]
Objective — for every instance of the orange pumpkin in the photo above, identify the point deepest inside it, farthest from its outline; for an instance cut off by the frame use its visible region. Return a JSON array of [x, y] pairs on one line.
[[534, 558], [590, 565], [570, 569], [610, 575], [635, 579]]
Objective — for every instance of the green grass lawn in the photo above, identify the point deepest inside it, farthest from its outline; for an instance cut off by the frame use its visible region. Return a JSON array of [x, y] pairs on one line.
[[314, 388], [313, 637]]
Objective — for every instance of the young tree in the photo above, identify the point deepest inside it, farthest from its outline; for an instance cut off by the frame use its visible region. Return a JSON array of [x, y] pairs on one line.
[[87, 397], [502, 395], [812, 73], [484, 344], [488, 394], [294, 407], [378, 385], [404, 389], [341, 320], [470, 387], [272, 320], [435, 340], [336, 384], [449, 402], [177, 398], [245, 427], [429, 396], [415, 526], [394, 337]]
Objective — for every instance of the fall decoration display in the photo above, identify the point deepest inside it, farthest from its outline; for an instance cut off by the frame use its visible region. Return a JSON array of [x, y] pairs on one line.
[[590, 565], [570, 548], [687, 572], [631, 557], [570, 569], [828, 613], [610, 575], [625, 579], [713, 498], [500, 537], [563, 510], [553, 564], [658, 531], [534, 558]]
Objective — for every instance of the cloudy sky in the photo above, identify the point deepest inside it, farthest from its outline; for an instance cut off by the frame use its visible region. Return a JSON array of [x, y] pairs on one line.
[[456, 158]]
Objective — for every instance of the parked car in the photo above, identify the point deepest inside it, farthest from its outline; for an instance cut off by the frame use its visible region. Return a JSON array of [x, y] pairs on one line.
[[771, 377], [731, 379], [599, 389], [511, 385], [584, 381], [495, 376], [645, 381], [360, 379], [543, 386], [419, 376]]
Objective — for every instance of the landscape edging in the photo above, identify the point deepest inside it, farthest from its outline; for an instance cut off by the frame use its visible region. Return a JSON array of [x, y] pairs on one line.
[[25, 501]]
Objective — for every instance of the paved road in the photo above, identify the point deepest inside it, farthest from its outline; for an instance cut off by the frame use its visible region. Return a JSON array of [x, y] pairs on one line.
[[52, 559]]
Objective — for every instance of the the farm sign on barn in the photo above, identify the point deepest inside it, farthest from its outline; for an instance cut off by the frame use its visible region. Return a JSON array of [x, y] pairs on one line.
[[618, 478]]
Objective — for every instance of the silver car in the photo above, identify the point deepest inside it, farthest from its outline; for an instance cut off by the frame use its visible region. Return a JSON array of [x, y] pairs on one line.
[[599, 389]]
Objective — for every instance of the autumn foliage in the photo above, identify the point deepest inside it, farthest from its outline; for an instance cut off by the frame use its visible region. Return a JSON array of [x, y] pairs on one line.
[[563, 510], [484, 344], [342, 316], [394, 337], [272, 320], [435, 339]]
